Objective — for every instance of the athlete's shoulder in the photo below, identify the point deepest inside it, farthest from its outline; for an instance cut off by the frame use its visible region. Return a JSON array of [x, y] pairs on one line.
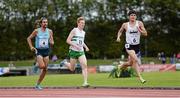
[[74, 29], [84, 31], [49, 29], [125, 23], [36, 30], [139, 22]]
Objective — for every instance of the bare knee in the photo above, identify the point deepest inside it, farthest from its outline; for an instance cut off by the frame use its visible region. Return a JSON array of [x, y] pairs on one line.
[[135, 61], [44, 69], [84, 67], [129, 63], [72, 67], [42, 66]]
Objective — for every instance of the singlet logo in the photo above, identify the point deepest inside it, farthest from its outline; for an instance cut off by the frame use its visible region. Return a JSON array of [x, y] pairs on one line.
[[127, 45], [43, 43], [131, 32]]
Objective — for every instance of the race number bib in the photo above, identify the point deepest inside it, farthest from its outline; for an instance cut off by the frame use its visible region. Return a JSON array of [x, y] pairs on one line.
[[43, 43], [80, 42], [127, 45], [134, 39]]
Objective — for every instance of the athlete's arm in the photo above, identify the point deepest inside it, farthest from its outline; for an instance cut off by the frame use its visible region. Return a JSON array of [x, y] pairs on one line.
[[68, 40], [86, 47], [33, 34], [51, 37], [142, 29], [120, 32]]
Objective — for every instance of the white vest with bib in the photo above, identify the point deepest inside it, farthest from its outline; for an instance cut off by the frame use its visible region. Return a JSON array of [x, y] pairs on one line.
[[132, 34]]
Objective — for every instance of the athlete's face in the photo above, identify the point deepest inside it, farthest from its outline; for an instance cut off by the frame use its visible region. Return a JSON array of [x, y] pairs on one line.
[[132, 17], [81, 24], [44, 23]]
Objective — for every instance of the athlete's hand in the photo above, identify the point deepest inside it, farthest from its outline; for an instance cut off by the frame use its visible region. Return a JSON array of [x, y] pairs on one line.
[[51, 44], [34, 49], [140, 29], [118, 39], [87, 49], [77, 47]]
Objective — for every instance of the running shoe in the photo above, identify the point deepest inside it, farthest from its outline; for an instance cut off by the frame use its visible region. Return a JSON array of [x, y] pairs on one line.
[[62, 63], [143, 81], [35, 69], [85, 85], [38, 87]]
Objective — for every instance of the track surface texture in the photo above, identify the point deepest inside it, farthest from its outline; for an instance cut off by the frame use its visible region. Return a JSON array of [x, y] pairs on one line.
[[91, 92]]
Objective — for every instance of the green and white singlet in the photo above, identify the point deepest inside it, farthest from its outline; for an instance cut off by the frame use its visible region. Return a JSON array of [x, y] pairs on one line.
[[78, 39]]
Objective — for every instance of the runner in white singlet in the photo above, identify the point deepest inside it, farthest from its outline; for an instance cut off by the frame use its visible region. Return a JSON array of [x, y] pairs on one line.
[[78, 39], [76, 50], [134, 29], [132, 34]]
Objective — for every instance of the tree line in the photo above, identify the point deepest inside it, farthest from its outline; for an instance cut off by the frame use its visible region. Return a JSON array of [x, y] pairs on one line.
[[103, 20]]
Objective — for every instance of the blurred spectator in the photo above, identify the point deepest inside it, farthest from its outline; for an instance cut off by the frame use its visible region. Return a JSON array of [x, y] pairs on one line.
[[122, 57], [178, 56], [54, 58], [173, 59], [4, 70], [163, 58], [11, 65], [159, 56], [139, 57]]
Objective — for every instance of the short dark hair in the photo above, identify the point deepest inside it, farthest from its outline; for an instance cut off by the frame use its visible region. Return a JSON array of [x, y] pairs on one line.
[[132, 12]]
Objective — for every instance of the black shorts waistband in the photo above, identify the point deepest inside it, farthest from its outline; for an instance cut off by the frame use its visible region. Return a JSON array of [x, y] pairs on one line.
[[136, 48]]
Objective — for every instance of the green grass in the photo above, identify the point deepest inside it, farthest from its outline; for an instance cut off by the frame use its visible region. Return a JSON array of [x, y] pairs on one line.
[[16, 63], [154, 79], [91, 62]]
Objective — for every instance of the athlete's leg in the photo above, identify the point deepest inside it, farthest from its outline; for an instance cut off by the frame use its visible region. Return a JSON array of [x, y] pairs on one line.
[[72, 64], [125, 64], [83, 62], [43, 66], [134, 59], [35, 67]]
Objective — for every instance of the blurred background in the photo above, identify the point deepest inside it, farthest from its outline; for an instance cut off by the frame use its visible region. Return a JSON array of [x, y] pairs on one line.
[[103, 20]]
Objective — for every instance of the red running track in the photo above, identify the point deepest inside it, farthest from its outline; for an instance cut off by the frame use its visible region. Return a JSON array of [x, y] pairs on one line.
[[89, 93]]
